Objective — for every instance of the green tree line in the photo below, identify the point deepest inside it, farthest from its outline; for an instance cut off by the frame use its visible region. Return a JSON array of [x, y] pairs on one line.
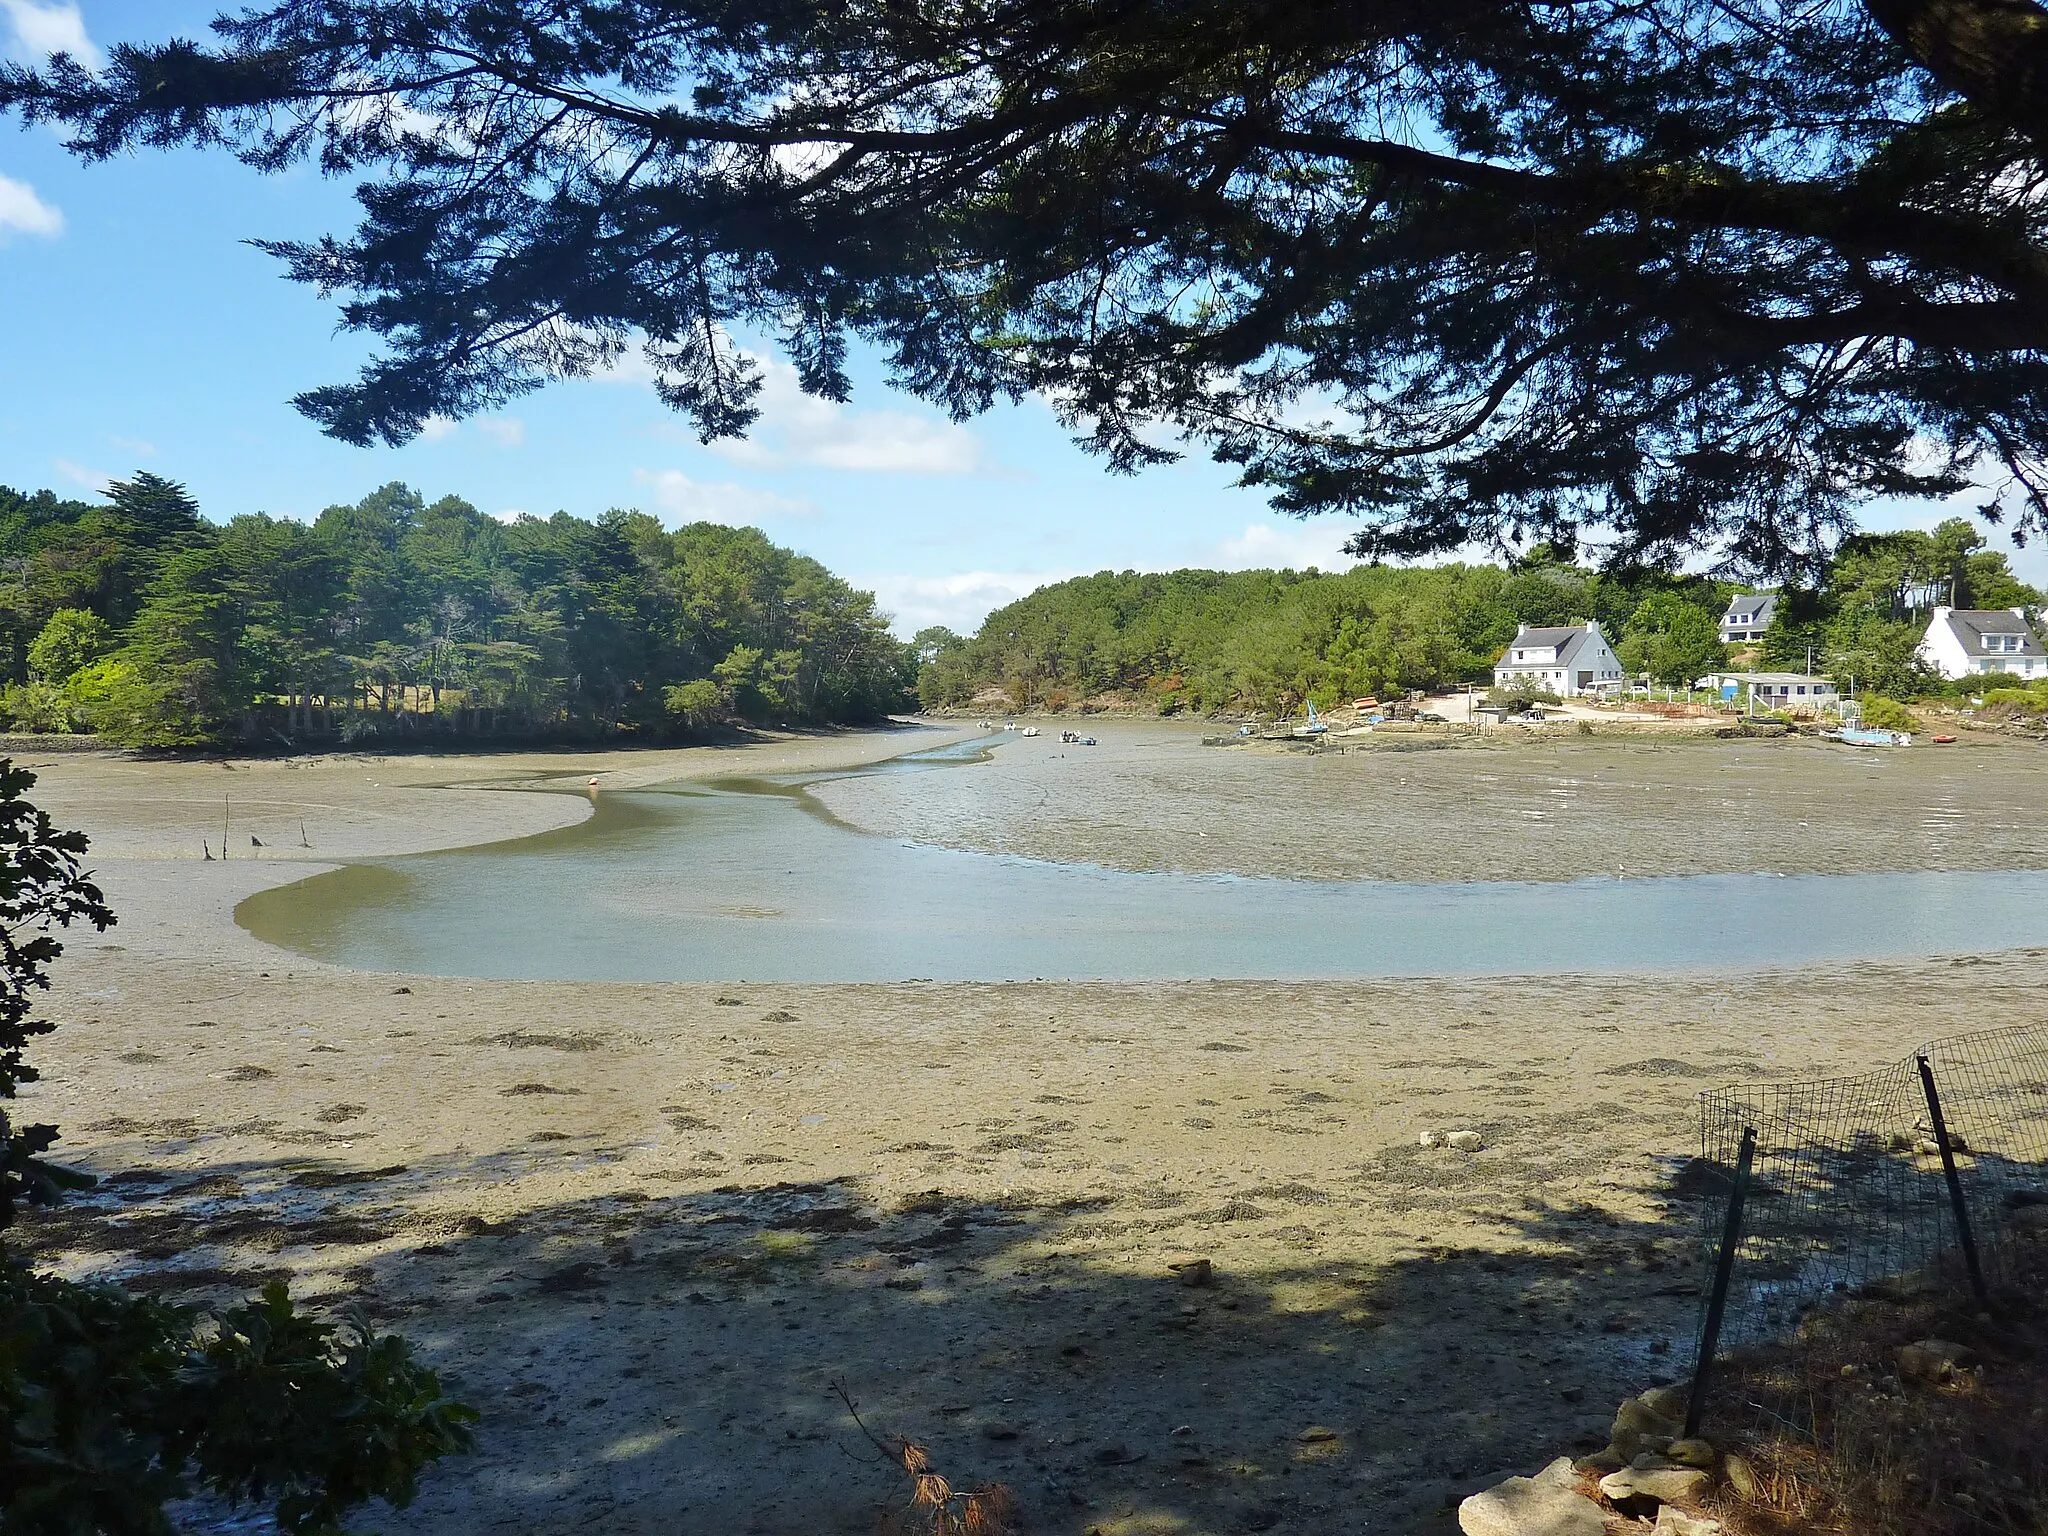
[[1213, 641], [395, 617]]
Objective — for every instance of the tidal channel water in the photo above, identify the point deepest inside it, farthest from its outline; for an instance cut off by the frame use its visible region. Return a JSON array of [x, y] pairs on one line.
[[755, 880]]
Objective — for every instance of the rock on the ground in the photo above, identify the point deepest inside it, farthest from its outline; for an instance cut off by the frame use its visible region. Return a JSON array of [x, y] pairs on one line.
[[1667, 1402], [1672, 1521], [1428, 1139], [1662, 1485], [1932, 1360], [1465, 1141], [1691, 1453], [1740, 1474], [1548, 1504], [1640, 1427]]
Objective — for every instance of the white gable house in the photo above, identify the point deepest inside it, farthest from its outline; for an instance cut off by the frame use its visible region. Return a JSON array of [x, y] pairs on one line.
[[1563, 661], [1749, 615], [1964, 642]]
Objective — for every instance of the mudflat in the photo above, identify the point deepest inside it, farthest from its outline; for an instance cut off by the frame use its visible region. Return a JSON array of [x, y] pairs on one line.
[[1504, 805], [652, 1231]]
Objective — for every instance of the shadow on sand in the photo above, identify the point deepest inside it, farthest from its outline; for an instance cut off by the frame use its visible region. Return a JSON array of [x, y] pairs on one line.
[[664, 1360]]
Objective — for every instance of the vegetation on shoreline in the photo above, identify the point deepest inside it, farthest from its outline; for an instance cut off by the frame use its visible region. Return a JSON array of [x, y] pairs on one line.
[[396, 618], [1210, 641]]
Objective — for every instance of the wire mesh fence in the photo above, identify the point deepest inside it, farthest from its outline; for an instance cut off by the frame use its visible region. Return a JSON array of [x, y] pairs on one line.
[[1850, 1185]]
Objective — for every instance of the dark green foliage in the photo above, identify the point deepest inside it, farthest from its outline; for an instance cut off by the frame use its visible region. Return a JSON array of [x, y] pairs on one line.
[[393, 616], [1672, 641], [1648, 274], [1867, 622], [111, 1404], [1266, 640], [43, 887]]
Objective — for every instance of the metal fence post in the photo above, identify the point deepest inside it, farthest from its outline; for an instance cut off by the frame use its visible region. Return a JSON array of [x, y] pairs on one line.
[[1724, 1268], [1955, 1183]]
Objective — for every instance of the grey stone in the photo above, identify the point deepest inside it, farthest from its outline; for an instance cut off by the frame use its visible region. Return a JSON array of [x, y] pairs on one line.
[[1548, 1504], [1691, 1453], [1672, 1521], [1667, 1402], [1740, 1474], [1932, 1360], [1661, 1485]]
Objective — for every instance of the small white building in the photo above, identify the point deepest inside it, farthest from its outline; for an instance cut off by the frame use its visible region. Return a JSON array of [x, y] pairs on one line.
[[1772, 690], [1563, 660], [1749, 615], [1963, 642]]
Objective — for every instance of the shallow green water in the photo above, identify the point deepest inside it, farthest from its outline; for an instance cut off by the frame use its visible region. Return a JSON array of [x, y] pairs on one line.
[[756, 880]]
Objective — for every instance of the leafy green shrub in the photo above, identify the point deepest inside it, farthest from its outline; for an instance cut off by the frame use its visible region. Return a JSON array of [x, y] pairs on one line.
[[2029, 700], [111, 1404], [1520, 698], [72, 639], [41, 707], [115, 1404], [698, 703], [1883, 714]]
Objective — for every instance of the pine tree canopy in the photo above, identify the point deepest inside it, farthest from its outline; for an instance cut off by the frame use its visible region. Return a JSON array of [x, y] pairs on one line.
[[1652, 277]]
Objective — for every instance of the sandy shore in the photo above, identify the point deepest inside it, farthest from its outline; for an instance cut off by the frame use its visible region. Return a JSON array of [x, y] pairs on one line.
[[648, 1228]]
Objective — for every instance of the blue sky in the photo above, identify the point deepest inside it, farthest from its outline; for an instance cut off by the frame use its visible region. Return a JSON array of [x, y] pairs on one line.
[[141, 332]]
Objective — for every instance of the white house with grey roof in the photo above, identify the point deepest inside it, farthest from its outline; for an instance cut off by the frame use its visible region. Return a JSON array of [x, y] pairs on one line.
[[1747, 617], [1964, 642], [1563, 660]]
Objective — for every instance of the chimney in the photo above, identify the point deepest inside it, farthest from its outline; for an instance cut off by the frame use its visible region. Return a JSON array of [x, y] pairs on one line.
[[1521, 630]]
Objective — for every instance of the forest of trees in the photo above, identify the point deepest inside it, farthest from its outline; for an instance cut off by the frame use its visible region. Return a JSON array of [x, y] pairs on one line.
[[394, 618], [1210, 641]]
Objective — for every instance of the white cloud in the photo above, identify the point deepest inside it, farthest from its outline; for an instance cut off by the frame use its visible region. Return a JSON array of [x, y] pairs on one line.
[[134, 445], [434, 428], [796, 428], [505, 431], [41, 29], [960, 602], [94, 480], [737, 506], [21, 210], [1284, 546]]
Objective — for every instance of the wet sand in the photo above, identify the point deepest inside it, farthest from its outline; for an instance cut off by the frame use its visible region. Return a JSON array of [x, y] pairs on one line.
[[647, 1228], [1509, 805]]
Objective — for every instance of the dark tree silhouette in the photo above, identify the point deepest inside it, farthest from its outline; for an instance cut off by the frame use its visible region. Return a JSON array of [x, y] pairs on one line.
[[1663, 274]]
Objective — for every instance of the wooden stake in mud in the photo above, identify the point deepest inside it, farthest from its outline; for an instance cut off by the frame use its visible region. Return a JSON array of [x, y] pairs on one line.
[[1724, 1268], [1955, 1183]]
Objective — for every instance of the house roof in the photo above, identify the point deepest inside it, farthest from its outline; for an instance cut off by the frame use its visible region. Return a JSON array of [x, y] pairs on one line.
[[1774, 678], [1745, 608], [1548, 639], [1971, 625], [1566, 640]]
